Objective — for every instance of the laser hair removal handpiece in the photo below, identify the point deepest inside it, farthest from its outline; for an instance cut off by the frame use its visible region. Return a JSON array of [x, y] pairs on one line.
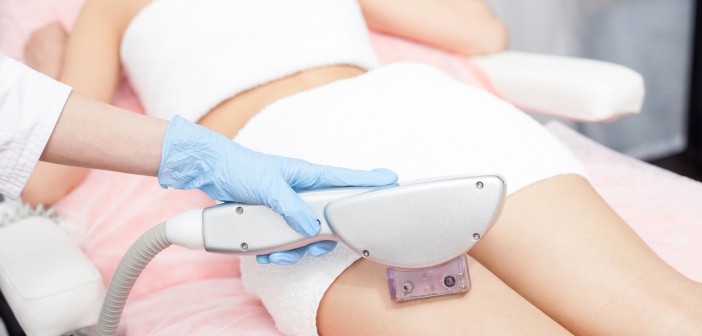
[[406, 226]]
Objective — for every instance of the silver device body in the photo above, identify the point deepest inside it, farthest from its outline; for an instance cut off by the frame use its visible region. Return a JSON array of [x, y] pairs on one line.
[[413, 225]]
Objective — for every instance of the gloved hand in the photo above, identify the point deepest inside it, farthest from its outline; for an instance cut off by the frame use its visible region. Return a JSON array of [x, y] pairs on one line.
[[195, 157]]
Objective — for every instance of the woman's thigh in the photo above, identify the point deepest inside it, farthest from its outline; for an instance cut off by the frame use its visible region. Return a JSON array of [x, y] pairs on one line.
[[358, 303], [559, 245]]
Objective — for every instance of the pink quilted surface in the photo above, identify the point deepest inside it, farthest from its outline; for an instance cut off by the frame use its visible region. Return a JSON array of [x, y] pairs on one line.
[[192, 292]]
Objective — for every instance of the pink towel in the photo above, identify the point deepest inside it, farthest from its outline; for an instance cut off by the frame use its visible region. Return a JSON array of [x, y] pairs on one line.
[[197, 293]]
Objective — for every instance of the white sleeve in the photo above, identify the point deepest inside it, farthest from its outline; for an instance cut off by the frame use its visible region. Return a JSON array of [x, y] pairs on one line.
[[30, 104]]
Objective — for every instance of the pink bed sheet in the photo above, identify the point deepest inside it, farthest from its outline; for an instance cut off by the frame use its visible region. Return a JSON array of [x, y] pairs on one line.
[[192, 292]]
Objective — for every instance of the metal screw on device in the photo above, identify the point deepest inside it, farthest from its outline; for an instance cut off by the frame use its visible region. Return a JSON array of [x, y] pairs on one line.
[[239, 210], [476, 236], [244, 246], [366, 253], [407, 287], [479, 185]]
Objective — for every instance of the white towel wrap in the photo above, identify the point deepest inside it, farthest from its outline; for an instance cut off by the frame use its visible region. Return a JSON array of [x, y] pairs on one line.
[[219, 48]]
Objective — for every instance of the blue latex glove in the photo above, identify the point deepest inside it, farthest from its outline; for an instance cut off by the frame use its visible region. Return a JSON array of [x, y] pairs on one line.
[[195, 157]]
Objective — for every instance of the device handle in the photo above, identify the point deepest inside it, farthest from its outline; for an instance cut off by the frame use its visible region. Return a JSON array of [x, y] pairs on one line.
[[256, 229]]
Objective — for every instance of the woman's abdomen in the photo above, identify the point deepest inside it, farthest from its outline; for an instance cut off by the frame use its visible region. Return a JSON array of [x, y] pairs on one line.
[[230, 116]]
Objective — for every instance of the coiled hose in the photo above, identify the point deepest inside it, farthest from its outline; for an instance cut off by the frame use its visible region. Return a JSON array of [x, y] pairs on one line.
[[134, 261]]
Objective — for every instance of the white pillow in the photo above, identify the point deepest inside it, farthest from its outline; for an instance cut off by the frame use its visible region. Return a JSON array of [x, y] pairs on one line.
[[51, 286], [572, 88]]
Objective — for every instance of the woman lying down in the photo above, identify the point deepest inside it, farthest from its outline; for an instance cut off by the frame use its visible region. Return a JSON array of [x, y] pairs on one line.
[[300, 79]]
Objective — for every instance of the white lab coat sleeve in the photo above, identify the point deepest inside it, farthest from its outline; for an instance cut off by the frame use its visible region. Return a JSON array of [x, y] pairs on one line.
[[30, 105]]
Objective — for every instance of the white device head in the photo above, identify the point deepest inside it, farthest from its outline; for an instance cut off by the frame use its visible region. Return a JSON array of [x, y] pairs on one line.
[[412, 225]]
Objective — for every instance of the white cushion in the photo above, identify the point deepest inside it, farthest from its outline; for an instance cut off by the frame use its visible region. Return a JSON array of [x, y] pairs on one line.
[[572, 88], [51, 286]]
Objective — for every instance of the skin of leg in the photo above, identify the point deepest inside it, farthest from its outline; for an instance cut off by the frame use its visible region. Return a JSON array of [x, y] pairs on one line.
[[358, 303], [559, 245], [50, 182]]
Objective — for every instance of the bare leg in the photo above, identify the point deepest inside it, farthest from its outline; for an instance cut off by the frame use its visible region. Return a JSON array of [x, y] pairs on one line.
[[358, 303], [48, 183], [45, 49], [560, 246]]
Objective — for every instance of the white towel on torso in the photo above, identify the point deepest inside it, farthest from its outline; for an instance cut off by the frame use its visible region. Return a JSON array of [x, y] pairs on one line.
[[185, 57]]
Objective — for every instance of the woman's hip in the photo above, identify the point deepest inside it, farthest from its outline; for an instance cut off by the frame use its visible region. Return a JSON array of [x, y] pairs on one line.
[[412, 119]]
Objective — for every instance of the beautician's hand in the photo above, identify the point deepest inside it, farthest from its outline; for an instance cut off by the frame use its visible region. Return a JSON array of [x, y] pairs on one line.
[[194, 157]]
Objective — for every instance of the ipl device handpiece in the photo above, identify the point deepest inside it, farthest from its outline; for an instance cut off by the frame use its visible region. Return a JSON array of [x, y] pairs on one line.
[[420, 230], [412, 225]]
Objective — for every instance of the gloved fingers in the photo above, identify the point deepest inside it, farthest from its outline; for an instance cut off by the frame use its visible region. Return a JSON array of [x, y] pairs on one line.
[[317, 177], [263, 259], [340, 177], [287, 257], [321, 248], [296, 212], [316, 249]]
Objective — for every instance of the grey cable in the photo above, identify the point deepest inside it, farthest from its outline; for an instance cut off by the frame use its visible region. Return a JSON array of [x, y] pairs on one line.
[[134, 261]]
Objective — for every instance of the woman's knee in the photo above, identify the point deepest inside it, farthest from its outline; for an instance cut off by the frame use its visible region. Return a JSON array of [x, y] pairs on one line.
[[50, 182]]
